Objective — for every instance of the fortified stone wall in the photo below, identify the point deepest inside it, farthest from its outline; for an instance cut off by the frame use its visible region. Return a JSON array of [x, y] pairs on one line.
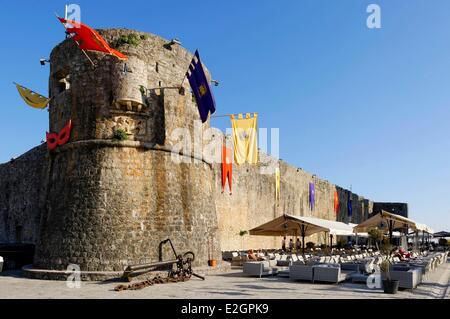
[[118, 202], [103, 203], [22, 196], [252, 203]]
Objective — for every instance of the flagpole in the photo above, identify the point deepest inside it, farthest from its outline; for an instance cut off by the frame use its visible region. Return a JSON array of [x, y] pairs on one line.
[[184, 78], [227, 115], [78, 44], [164, 88], [185, 75], [161, 88], [224, 115]]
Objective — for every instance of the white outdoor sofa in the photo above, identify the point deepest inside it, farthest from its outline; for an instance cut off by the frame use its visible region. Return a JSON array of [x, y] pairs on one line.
[[408, 277], [330, 273], [259, 268], [301, 272]]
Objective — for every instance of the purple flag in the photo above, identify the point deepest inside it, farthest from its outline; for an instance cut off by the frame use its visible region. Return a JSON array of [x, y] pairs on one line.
[[311, 195], [201, 89]]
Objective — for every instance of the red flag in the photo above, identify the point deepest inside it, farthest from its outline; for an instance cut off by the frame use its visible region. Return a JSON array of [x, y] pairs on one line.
[[89, 39], [336, 202], [227, 167]]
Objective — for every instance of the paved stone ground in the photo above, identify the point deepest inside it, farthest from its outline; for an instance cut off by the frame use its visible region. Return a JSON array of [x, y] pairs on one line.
[[231, 284]]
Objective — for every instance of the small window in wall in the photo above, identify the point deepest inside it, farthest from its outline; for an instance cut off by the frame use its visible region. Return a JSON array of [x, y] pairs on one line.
[[157, 67], [62, 80]]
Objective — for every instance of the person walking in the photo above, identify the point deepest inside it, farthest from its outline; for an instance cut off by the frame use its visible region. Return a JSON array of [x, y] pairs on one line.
[[283, 244], [298, 245]]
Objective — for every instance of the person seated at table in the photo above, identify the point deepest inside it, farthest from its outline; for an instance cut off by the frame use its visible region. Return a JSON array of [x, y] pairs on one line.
[[252, 256], [396, 253], [405, 255]]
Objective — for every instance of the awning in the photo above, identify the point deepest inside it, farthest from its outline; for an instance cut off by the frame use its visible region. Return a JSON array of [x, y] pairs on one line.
[[297, 225], [441, 234], [362, 234], [382, 220], [424, 228]]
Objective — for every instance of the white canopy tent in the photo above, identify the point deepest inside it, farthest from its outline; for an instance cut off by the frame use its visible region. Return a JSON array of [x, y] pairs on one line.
[[424, 228], [390, 222], [356, 234], [289, 225]]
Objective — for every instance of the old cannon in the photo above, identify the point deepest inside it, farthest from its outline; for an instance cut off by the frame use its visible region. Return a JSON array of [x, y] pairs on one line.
[[179, 269]]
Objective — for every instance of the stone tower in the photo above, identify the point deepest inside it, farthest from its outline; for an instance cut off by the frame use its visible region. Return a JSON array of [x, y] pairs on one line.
[[109, 203]]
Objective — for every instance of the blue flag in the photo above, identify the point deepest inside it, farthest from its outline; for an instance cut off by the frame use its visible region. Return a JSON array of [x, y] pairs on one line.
[[349, 205], [200, 88]]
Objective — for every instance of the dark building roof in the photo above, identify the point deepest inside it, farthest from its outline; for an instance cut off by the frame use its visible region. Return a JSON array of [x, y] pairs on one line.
[[395, 208]]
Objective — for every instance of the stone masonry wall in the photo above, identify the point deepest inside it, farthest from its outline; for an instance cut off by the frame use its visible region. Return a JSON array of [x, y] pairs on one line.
[[118, 203], [22, 196], [252, 203]]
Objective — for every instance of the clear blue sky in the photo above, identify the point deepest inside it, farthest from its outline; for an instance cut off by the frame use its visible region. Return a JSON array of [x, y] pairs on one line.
[[360, 107]]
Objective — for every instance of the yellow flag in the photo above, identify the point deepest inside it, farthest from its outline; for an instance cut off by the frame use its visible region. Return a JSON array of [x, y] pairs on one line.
[[277, 185], [33, 99], [245, 138]]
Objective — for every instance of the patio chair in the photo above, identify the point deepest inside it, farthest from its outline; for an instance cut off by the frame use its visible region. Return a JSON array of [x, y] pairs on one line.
[[258, 268], [260, 255], [368, 266], [284, 263], [396, 260]]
